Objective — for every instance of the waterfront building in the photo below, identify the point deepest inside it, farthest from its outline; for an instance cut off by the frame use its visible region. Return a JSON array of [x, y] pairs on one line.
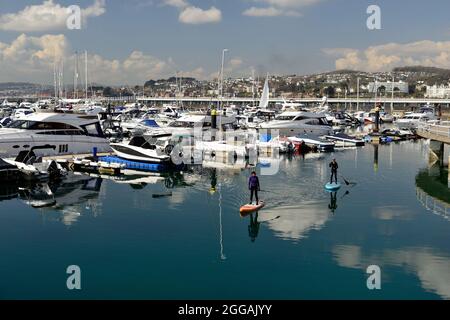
[[402, 87], [438, 91]]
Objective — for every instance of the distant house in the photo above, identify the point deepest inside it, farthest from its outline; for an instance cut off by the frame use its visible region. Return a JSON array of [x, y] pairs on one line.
[[438, 92]]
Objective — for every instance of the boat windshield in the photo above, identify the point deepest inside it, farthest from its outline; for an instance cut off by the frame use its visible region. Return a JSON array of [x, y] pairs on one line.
[[285, 118], [182, 124], [35, 125], [426, 110]]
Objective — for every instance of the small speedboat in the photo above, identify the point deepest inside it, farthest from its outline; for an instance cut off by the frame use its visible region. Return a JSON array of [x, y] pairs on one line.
[[345, 140], [315, 143], [139, 148]]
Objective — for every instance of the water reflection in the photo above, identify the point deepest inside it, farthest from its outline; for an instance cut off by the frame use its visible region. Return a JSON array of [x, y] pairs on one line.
[[333, 202], [433, 191], [296, 221], [430, 266], [67, 198]]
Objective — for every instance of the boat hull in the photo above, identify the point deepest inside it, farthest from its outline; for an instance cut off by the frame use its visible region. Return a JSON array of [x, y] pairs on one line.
[[13, 142], [138, 154]]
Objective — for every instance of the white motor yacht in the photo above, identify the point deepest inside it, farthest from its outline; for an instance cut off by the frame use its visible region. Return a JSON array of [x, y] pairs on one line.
[[293, 123], [65, 134], [412, 120]]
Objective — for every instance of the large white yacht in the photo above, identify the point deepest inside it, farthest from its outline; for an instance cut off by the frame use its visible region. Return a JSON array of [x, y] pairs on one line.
[[412, 120], [300, 122], [63, 134]]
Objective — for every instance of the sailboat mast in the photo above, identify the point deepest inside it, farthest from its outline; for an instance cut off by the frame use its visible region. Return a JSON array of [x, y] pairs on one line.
[[62, 78], [376, 92], [86, 73], [392, 97], [54, 80], [253, 88], [357, 94], [75, 77]]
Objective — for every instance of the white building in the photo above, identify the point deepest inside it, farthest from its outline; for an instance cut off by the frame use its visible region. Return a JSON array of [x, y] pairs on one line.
[[438, 92], [401, 86]]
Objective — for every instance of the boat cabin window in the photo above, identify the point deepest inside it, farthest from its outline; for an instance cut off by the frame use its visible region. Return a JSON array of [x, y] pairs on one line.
[[314, 122], [228, 126], [323, 122], [35, 125], [285, 118], [93, 129], [182, 124], [142, 143]]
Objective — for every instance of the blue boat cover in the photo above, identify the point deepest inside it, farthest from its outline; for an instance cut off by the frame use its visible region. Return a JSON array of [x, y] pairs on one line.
[[150, 123]]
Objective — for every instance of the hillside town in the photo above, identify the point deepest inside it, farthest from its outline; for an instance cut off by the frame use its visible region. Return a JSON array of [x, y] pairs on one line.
[[414, 82]]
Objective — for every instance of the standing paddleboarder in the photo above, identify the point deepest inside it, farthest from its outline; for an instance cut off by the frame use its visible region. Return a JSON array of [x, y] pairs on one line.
[[254, 187], [334, 168]]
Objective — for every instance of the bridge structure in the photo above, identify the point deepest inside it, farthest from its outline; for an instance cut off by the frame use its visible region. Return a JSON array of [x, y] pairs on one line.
[[439, 135]]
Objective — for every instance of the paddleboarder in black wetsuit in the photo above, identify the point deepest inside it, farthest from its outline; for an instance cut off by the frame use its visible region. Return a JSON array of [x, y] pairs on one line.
[[334, 168], [254, 187]]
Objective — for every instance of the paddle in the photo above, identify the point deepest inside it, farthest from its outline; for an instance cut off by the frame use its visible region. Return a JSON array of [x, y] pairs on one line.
[[162, 195], [345, 194], [270, 219], [269, 192], [345, 180]]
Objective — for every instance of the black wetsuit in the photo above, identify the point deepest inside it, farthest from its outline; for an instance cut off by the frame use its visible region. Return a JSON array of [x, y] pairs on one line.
[[253, 185], [334, 168]]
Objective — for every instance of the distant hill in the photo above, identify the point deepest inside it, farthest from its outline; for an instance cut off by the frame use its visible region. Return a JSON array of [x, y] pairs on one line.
[[421, 69], [344, 71], [6, 85], [429, 75]]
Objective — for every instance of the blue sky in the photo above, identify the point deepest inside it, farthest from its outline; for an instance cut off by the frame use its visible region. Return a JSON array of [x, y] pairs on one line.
[[322, 35]]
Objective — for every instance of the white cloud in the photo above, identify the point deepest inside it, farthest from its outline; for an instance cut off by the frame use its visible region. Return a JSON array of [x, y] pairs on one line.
[[263, 12], [387, 56], [46, 17], [32, 59], [275, 8], [236, 62], [195, 15], [190, 14], [290, 3], [176, 3], [198, 73], [27, 57]]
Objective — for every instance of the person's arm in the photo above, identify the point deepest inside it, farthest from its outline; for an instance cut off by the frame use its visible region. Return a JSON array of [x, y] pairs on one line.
[[257, 182], [249, 183]]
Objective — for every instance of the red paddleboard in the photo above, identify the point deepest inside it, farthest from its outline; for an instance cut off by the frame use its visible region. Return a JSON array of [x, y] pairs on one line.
[[249, 208]]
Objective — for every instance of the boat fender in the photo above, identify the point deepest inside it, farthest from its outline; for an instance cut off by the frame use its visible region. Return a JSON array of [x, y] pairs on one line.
[[170, 183], [168, 149]]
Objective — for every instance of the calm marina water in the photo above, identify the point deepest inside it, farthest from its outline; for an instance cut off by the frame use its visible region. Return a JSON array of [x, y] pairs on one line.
[[306, 244]]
